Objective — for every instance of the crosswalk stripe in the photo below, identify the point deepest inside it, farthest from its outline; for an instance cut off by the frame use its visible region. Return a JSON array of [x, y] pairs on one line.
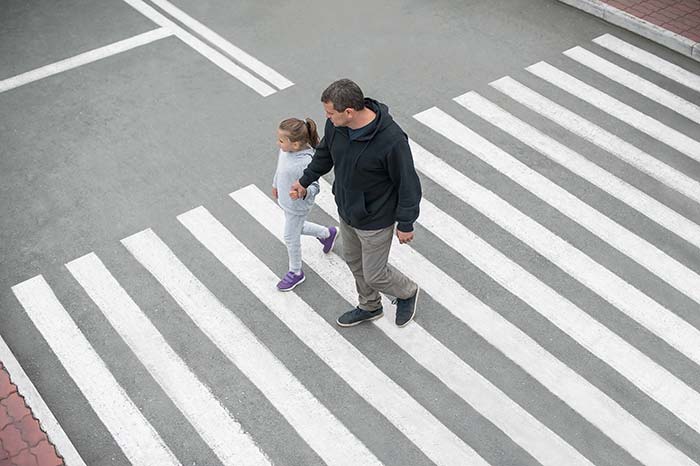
[[48, 421], [635, 82], [130, 429], [600, 410], [659, 320], [436, 441], [205, 50], [649, 60], [650, 377], [543, 444], [210, 419], [234, 52], [646, 254], [614, 107], [314, 423], [604, 139]]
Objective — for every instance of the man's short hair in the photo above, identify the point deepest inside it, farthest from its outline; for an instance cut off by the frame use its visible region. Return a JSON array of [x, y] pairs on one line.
[[344, 93]]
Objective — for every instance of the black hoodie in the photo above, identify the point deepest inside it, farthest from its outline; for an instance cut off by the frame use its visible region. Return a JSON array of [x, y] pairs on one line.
[[375, 181]]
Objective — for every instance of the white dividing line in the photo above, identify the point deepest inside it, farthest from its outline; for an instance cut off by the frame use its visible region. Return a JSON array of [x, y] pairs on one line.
[[211, 420], [638, 306], [634, 82], [649, 60], [234, 52], [534, 437], [600, 137], [636, 438], [315, 424], [436, 441], [650, 377], [133, 433], [614, 107], [48, 422], [586, 169], [84, 58], [208, 52], [646, 254]]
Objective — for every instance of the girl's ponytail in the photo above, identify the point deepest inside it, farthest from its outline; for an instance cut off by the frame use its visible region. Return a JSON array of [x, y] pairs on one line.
[[313, 132]]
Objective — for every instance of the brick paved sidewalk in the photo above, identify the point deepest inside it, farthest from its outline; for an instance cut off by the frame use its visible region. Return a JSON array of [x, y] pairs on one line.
[[22, 441], [679, 16]]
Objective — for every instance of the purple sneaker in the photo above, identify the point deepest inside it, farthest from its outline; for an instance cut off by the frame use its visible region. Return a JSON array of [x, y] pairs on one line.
[[329, 242], [290, 281]]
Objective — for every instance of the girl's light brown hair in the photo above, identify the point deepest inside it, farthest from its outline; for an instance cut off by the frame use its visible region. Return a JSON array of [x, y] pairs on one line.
[[303, 131]]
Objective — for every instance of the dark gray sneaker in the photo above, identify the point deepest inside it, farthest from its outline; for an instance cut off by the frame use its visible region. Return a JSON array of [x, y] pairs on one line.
[[406, 309], [357, 316]]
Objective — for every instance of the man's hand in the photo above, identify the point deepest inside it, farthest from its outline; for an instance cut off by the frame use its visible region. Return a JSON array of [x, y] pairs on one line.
[[297, 191], [404, 237], [274, 193]]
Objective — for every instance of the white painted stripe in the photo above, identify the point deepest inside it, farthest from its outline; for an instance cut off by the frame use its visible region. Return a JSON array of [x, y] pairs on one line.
[[414, 421], [586, 169], [636, 83], [534, 437], [650, 377], [600, 410], [614, 107], [315, 424], [130, 429], [208, 52], [83, 59], [640, 250], [659, 320], [234, 52], [211, 420], [48, 421], [649, 60], [604, 139]]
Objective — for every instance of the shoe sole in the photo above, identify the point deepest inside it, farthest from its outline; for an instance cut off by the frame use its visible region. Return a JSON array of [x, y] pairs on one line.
[[359, 321], [415, 305], [293, 286], [333, 243]]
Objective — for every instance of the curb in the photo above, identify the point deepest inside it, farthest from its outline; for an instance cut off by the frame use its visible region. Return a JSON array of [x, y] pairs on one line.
[[637, 25]]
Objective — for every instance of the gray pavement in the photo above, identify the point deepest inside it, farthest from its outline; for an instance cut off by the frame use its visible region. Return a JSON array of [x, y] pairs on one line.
[[95, 154]]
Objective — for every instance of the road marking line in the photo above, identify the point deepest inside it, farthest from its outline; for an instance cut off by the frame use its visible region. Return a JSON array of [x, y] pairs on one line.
[[614, 107], [591, 403], [650, 377], [436, 441], [634, 82], [84, 58], [649, 60], [646, 254], [595, 134], [212, 421], [234, 52], [638, 306], [324, 433], [544, 445], [133, 433], [615, 234], [208, 52], [47, 420]]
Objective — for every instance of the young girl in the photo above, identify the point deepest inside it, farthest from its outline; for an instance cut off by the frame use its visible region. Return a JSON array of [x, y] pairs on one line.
[[296, 140]]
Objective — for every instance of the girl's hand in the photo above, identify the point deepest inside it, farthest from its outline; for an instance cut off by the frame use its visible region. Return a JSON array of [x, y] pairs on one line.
[[274, 193]]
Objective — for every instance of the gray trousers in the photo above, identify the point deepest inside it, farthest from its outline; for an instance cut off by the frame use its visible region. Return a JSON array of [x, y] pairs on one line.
[[367, 254], [296, 225]]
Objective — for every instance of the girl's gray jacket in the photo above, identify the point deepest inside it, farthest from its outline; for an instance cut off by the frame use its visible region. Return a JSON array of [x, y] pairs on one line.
[[290, 167]]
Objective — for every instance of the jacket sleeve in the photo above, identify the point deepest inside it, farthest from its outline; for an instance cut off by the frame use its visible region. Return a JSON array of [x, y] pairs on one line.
[[312, 191], [322, 161], [405, 179]]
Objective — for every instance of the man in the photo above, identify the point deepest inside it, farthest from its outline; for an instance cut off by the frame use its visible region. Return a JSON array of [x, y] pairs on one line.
[[376, 188]]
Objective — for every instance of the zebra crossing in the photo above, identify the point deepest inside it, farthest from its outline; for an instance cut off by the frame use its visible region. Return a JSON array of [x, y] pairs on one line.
[[406, 407]]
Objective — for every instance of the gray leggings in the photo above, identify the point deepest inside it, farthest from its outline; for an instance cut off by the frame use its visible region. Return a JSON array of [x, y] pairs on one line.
[[296, 225]]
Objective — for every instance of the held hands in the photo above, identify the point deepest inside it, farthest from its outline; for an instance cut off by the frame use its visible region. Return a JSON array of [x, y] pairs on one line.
[[404, 237], [297, 191], [274, 193]]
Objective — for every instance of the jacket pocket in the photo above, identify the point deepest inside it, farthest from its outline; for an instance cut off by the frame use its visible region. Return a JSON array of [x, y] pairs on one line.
[[352, 204]]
